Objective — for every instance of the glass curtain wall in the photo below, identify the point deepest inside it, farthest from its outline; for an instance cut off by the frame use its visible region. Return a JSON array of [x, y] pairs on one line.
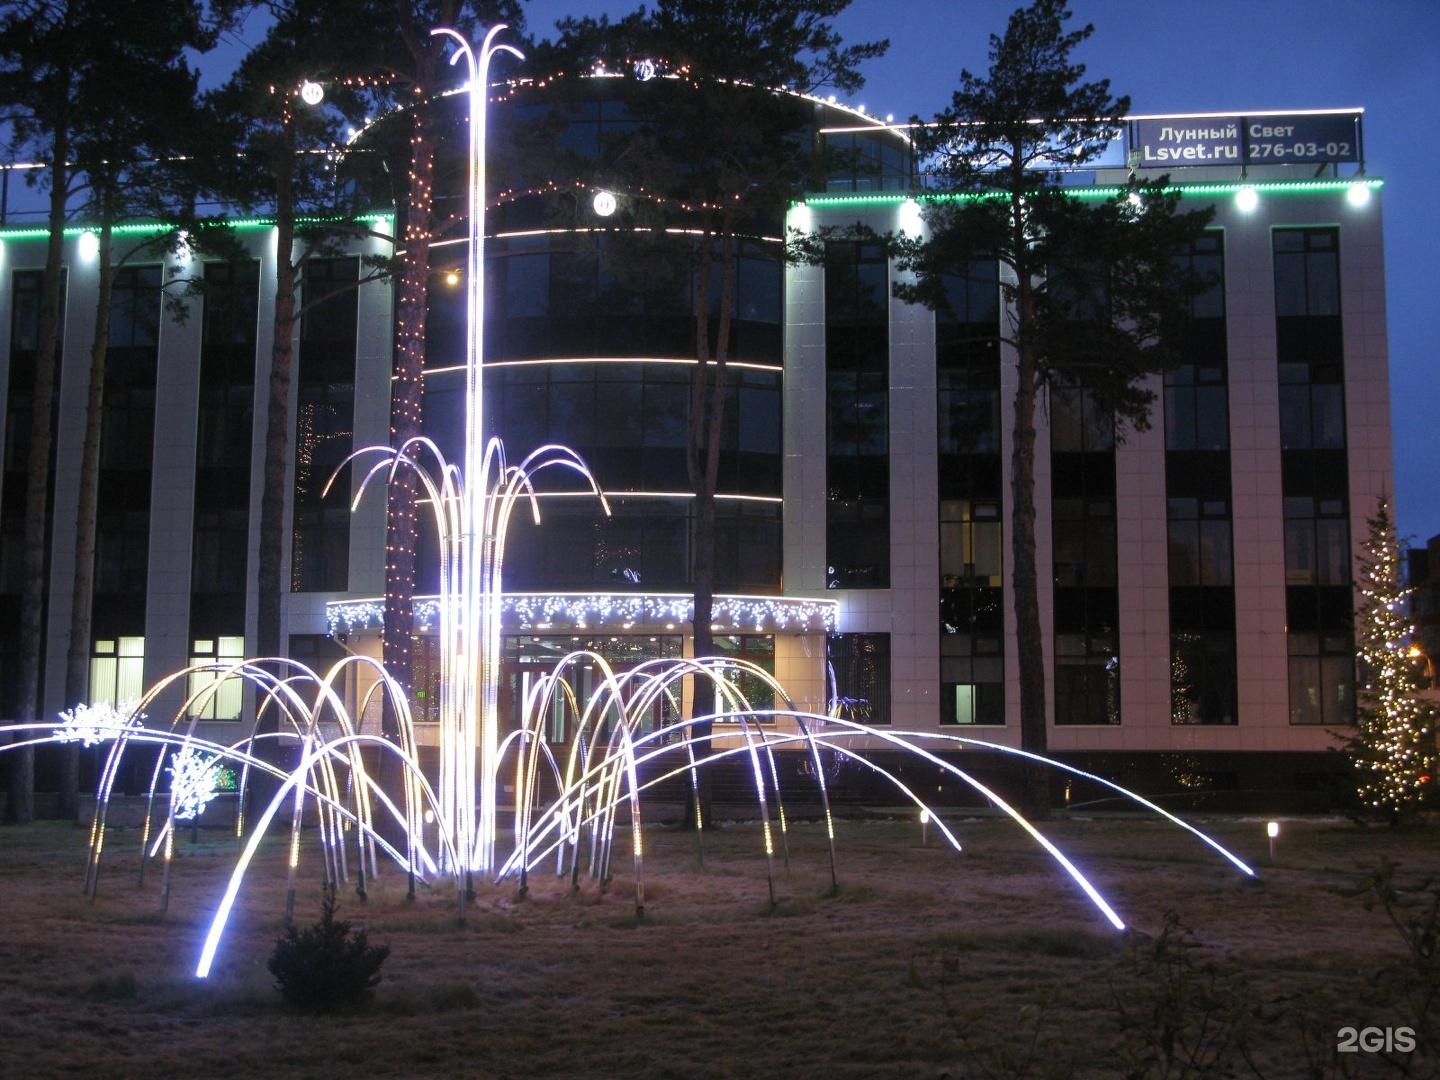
[[857, 402], [967, 371], [1319, 599], [1203, 688]]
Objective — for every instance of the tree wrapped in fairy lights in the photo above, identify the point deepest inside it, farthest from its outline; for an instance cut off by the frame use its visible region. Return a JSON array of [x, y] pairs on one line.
[[1393, 747]]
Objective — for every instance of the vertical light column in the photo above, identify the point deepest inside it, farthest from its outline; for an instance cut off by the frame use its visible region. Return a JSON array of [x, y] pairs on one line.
[[469, 720]]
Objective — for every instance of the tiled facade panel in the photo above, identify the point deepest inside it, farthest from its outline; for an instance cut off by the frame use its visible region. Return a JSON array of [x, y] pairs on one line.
[[906, 610]]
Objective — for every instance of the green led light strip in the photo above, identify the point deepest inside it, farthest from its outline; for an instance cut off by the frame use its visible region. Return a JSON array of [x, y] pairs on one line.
[[1107, 192], [32, 233]]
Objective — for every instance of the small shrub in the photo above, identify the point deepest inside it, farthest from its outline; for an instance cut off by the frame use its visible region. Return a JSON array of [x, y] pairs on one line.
[[1187, 1016], [326, 968]]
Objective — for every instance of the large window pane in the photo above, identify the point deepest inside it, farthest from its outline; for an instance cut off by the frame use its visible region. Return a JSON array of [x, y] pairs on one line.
[[860, 669]]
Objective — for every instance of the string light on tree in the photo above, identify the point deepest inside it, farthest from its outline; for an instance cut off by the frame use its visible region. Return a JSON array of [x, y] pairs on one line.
[[91, 725], [194, 781], [1393, 748]]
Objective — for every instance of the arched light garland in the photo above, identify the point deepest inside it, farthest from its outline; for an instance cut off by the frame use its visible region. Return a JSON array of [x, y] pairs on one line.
[[522, 612]]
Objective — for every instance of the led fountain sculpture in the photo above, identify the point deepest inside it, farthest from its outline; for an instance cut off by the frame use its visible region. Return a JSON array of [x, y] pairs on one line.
[[601, 770]]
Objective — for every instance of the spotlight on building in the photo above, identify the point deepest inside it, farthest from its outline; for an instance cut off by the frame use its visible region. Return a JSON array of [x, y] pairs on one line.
[[604, 203], [89, 246], [1358, 195], [1246, 199], [912, 222]]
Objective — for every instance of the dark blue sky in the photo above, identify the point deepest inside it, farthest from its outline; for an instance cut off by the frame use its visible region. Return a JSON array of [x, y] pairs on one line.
[[1230, 56]]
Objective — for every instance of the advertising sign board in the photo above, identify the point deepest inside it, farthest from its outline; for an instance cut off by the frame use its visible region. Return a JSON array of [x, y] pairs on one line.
[[1298, 139]]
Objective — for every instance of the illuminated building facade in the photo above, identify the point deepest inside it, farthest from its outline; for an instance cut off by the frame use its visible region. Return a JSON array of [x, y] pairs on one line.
[[1195, 577]]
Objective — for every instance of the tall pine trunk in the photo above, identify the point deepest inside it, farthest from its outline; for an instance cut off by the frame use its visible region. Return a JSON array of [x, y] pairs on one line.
[[20, 806], [271, 557], [1025, 575], [703, 444], [406, 419]]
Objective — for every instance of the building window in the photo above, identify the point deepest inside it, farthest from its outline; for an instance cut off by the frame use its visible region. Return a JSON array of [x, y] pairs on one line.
[[1200, 546], [860, 674], [1319, 604], [221, 527], [324, 426], [645, 543], [1202, 677], [528, 657], [19, 405], [24, 333], [127, 448], [1085, 558], [857, 373], [972, 679], [757, 649], [1312, 411], [1197, 407], [967, 370], [1307, 272], [1317, 542], [1197, 412], [1087, 679], [552, 298], [1198, 505], [970, 543], [117, 670], [128, 438], [1084, 538], [1322, 679], [859, 161], [222, 702], [1077, 423]]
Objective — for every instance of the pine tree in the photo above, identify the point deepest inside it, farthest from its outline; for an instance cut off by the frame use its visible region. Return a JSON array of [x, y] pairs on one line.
[[1091, 295], [89, 89], [1393, 747]]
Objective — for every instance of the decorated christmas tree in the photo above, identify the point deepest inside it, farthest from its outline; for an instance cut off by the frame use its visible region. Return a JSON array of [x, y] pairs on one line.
[[1393, 747]]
